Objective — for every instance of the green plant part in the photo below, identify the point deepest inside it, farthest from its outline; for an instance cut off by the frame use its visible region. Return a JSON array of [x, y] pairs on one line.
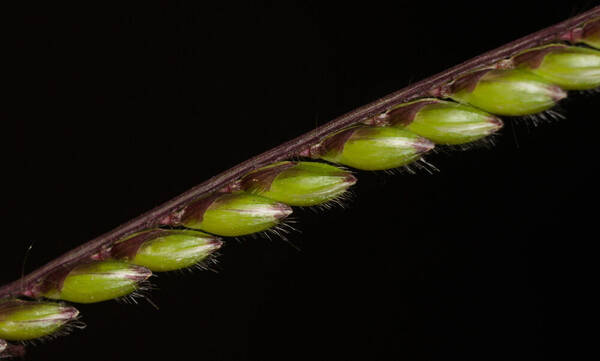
[[299, 183], [512, 92], [570, 67], [441, 121], [374, 148], [25, 320], [234, 214], [99, 281], [163, 250], [591, 33]]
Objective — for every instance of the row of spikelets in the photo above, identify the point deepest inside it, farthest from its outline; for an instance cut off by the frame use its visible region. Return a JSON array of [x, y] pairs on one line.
[[528, 83]]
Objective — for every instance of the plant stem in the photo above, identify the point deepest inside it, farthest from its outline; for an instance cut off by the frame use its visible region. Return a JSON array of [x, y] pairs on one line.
[[431, 86]]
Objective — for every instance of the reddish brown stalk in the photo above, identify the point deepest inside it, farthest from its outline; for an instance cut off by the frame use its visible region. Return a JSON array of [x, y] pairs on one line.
[[433, 86]]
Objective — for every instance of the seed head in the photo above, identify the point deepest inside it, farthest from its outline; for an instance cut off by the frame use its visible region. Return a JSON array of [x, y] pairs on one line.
[[591, 33], [299, 183], [443, 122], [166, 249], [570, 67], [234, 214], [512, 92], [99, 281], [25, 320], [374, 148]]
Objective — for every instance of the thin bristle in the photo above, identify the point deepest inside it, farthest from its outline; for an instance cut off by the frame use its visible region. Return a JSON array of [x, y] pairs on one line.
[[143, 290], [65, 330]]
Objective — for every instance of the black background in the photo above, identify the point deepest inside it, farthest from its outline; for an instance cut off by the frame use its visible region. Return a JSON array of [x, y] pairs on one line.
[[120, 108]]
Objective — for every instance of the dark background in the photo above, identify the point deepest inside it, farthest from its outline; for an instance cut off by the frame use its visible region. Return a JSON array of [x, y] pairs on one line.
[[120, 108]]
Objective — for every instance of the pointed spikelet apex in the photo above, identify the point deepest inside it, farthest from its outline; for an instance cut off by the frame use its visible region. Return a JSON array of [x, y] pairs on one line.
[[513, 92], [25, 320], [299, 183], [443, 122], [374, 148], [162, 250], [570, 67], [234, 214], [98, 281]]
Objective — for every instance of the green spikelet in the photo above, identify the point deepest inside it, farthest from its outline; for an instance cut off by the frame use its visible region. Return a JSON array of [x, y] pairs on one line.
[[507, 92], [163, 250], [99, 281], [442, 122], [570, 67], [25, 320], [234, 214], [374, 148], [299, 183]]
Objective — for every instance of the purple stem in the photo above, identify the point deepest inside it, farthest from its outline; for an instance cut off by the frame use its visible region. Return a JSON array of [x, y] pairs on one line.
[[433, 86]]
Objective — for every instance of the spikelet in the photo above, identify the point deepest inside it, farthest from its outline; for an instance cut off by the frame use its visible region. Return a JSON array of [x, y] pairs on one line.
[[98, 281], [512, 92], [374, 148], [162, 250], [570, 67], [234, 214], [441, 121], [299, 183], [25, 320]]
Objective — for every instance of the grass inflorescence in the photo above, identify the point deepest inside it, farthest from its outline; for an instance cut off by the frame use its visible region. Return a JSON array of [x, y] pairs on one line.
[[463, 112]]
